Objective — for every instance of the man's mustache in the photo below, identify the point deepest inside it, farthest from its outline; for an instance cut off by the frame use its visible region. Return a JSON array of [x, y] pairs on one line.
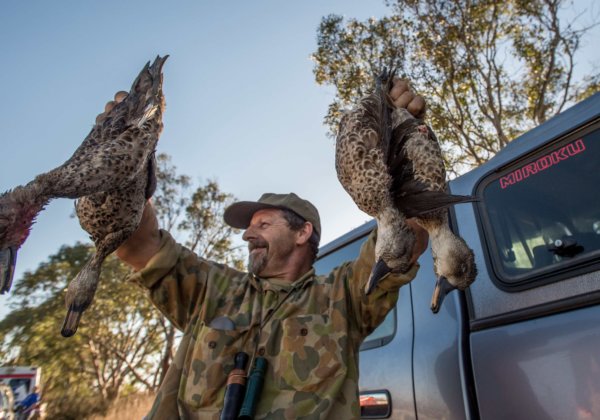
[[257, 243]]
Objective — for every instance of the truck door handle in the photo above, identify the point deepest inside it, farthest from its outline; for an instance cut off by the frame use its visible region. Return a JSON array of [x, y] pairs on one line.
[[376, 404]]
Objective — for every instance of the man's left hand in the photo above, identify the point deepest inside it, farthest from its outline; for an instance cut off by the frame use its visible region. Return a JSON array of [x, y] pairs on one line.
[[402, 96]]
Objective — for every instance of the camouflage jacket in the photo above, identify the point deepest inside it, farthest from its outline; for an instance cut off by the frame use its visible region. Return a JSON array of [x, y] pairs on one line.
[[310, 335]]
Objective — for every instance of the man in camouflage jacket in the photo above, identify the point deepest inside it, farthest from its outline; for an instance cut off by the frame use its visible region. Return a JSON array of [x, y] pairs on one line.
[[309, 328]]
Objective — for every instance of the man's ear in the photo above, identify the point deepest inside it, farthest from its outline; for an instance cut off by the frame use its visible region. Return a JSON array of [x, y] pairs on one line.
[[304, 233]]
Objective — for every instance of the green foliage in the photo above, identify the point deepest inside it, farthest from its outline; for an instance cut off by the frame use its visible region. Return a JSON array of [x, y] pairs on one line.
[[208, 234], [349, 55], [489, 69], [171, 196], [116, 343], [197, 218]]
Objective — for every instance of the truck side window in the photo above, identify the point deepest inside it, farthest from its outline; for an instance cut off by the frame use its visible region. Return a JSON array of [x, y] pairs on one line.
[[542, 214], [382, 334]]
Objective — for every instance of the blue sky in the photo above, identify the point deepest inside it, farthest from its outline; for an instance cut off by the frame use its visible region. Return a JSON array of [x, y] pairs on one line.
[[242, 104]]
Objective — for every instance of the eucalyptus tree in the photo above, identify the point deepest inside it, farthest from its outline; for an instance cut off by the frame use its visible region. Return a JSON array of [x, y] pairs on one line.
[[489, 69]]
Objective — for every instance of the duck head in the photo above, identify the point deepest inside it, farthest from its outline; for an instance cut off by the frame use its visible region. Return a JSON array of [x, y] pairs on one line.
[[393, 248], [454, 265], [18, 209]]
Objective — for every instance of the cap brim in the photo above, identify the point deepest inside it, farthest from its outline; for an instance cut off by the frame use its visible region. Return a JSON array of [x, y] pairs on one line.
[[239, 215]]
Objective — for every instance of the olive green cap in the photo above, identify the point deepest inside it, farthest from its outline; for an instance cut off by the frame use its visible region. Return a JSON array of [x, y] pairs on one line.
[[239, 215]]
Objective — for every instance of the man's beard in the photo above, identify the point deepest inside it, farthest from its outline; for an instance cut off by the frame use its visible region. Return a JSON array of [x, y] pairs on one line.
[[257, 261]]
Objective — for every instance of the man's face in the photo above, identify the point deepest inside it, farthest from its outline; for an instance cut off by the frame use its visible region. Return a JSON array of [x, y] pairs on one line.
[[270, 243]]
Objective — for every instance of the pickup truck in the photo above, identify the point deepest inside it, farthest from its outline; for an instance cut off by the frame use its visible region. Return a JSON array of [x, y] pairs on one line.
[[523, 342]]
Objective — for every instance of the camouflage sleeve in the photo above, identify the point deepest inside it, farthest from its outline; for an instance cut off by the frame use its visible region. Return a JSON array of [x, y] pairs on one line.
[[176, 280], [370, 311]]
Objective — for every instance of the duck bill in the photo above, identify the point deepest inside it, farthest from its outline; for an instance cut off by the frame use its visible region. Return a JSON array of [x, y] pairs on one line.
[[379, 271], [8, 260], [71, 323], [442, 288]]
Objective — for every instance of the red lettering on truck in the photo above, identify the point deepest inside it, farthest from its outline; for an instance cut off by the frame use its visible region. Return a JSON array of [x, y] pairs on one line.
[[542, 163]]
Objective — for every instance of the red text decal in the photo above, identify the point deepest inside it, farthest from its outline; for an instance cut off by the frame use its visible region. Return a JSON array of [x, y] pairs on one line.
[[542, 163]]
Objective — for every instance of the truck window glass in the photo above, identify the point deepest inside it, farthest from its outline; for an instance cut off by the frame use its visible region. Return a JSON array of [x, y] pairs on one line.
[[544, 212], [324, 265]]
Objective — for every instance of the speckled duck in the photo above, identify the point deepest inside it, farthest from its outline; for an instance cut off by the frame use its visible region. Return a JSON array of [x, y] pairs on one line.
[[391, 165], [112, 175]]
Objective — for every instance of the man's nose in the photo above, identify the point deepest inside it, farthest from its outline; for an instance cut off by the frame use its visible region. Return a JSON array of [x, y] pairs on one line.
[[249, 234]]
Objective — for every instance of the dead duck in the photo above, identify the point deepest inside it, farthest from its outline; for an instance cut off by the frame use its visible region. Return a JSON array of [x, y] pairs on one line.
[[391, 165], [112, 160], [110, 218]]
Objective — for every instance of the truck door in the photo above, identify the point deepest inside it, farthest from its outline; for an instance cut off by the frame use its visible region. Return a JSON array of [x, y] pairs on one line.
[[386, 387], [535, 310]]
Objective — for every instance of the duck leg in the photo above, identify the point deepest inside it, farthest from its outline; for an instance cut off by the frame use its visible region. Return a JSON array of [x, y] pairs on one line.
[[81, 294], [82, 288]]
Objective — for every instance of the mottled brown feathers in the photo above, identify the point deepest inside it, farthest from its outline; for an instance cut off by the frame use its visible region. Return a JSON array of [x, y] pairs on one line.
[[112, 174], [391, 164], [111, 216]]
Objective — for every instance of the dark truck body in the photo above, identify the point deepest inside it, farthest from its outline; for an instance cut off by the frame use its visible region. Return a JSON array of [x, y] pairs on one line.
[[524, 341]]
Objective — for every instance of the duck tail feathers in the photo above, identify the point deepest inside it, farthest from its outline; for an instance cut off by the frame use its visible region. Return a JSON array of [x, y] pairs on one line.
[[429, 201]]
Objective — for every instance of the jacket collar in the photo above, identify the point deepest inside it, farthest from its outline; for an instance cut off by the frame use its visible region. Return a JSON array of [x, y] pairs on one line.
[[277, 284]]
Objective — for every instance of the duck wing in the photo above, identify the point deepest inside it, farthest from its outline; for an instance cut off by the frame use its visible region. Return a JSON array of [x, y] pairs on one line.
[[417, 168], [103, 213], [363, 147]]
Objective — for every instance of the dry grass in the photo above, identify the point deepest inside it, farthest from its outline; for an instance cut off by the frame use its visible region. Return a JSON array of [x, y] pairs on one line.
[[133, 407]]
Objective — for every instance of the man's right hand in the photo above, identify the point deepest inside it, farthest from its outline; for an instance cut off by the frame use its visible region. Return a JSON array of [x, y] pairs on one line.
[[143, 243], [119, 97]]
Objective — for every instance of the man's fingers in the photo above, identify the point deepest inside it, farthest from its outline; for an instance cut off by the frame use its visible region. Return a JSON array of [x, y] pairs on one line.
[[417, 107], [398, 88], [402, 96], [404, 99], [109, 105], [120, 96]]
